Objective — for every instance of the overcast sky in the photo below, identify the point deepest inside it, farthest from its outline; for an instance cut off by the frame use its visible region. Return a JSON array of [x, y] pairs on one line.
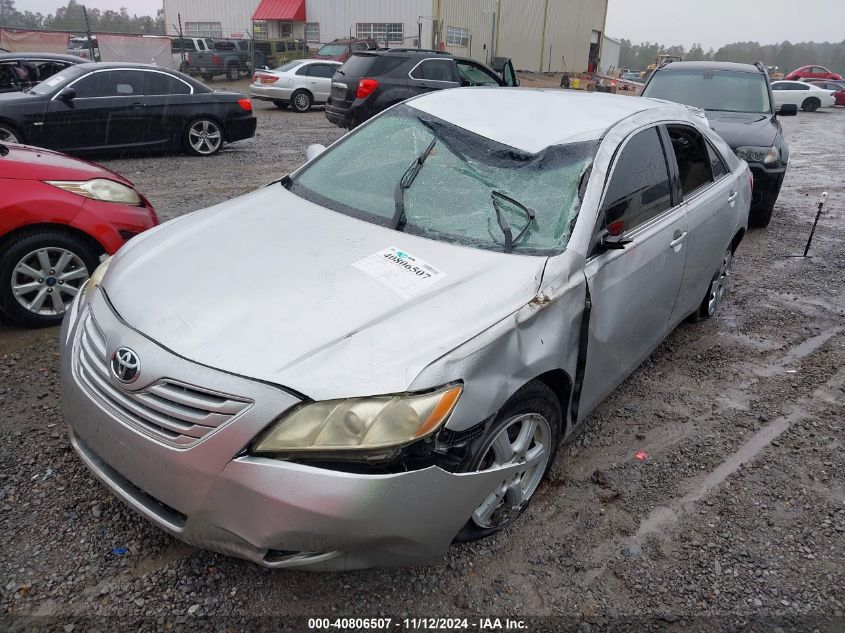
[[718, 22], [711, 22]]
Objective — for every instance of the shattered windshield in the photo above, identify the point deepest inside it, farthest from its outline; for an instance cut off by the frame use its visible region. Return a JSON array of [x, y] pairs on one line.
[[451, 197]]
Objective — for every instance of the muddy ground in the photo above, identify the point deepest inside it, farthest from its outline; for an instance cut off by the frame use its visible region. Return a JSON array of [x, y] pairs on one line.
[[737, 512]]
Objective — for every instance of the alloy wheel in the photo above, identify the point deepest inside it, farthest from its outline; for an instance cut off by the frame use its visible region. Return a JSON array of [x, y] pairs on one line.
[[525, 439], [719, 283], [44, 282], [302, 102], [8, 136], [205, 137]]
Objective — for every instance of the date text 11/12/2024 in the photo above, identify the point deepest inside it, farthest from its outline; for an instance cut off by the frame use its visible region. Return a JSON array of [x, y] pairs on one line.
[[417, 624]]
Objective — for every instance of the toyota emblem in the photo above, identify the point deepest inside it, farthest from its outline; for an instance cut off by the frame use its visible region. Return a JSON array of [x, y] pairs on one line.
[[125, 365]]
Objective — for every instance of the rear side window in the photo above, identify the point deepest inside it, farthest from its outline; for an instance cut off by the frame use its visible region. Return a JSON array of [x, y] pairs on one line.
[[693, 160], [434, 70], [639, 187], [717, 165], [320, 70], [161, 84]]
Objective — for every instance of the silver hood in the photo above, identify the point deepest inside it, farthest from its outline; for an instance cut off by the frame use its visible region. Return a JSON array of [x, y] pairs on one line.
[[264, 286]]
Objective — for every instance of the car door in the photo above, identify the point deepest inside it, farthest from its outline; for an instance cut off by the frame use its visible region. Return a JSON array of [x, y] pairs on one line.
[[633, 288], [80, 122], [319, 77], [709, 195], [785, 92], [433, 74], [474, 74]]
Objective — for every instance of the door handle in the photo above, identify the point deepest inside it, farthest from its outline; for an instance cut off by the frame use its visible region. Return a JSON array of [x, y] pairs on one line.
[[733, 196], [679, 237]]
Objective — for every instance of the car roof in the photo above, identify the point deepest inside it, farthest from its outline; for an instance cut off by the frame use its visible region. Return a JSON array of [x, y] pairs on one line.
[[532, 119], [734, 66], [50, 56]]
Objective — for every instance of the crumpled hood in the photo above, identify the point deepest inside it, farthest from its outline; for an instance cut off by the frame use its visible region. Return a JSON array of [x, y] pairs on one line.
[[743, 129], [266, 286]]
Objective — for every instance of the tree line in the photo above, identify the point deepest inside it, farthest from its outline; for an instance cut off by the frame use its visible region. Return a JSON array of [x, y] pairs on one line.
[[71, 18], [786, 55]]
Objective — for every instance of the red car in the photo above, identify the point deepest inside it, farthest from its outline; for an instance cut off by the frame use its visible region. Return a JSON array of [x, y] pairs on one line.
[[58, 215], [812, 72], [341, 50], [838, 88]]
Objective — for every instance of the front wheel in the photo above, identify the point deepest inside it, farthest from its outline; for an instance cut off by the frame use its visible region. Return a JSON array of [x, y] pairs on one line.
[[811, 105], [204, 137], [41, 273], [716, 290], [9, 134], [526, 433]]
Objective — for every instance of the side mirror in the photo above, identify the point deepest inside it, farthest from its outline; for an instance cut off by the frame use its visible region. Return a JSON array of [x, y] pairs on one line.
[[615, 238], [788, 109], [67, 94], [313, 151]]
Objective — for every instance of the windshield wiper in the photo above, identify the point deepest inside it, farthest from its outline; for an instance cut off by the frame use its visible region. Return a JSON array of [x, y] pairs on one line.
[[503, 223], [405, 182]]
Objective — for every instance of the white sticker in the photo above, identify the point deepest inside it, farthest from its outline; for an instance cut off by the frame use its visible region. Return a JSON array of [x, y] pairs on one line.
[[403, 273]]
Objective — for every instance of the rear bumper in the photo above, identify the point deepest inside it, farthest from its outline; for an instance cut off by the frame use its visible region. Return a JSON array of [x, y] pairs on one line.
[[214, 495], [241, 128], [341, 117], [267, 93]]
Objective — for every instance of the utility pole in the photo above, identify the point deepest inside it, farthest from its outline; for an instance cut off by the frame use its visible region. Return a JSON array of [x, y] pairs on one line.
[[182, 66], [88, 33]]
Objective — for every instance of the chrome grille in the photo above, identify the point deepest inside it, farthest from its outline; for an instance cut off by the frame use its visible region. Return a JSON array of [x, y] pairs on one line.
[[173, 412]]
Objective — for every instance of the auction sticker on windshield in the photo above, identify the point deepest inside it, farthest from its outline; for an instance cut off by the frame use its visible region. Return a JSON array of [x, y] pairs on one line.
[[403, 273]]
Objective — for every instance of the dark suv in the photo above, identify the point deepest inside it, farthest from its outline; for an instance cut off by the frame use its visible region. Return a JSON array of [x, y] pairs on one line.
[[372, 81], [738, 102]]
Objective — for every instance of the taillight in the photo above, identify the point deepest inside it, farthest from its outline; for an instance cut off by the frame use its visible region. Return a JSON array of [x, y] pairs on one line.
[[255, 78], [366, 87], [215, 59], [246, 104]]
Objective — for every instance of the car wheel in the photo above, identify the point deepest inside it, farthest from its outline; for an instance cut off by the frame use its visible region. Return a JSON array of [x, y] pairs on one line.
[[301, 101], [280, 104], [9, 134], [716, 289], [811, 104], [526, 431], [203, 137], [232, 73], [41, 273]]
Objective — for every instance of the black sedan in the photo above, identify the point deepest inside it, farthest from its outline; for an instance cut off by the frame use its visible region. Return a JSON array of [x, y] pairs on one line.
[[116, 107], [25, 70]]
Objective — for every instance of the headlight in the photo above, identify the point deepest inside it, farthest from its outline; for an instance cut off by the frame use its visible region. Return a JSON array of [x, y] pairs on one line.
[[96, 277], [765, 155], [360, 424], [99, 189]]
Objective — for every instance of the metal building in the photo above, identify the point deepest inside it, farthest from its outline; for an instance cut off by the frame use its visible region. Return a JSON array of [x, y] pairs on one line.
[[547, 35]]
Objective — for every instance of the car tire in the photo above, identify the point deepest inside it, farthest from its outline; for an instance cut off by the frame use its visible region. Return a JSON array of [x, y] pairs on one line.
[[207, 76], [233, 73], [811, 104], [301, 101], [10, 134], [66, 262], [716, 290], [280, 104], [203, 137], [760, 216], [510, 439]]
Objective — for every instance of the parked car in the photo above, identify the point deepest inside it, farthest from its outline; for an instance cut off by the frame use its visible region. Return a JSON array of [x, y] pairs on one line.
[[19, 71], [57, 216], [812, 72], [114, 106], [227, 57], [300, 84], [275, 53], [80, 47], [632, 76], [372, 81], [183, 49], [737, 101], [804, 95], [836, 87], [340, 50], [495, 277]]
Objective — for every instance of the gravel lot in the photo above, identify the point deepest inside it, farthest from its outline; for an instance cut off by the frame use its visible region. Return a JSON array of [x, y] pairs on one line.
[[736, 514]]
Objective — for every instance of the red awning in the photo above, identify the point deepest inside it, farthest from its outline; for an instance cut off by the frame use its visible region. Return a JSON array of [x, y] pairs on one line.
[[293, 10]]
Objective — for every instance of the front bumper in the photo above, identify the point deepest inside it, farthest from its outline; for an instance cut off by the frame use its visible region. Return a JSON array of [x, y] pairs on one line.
[[268, 93], [214, 495], [767, 182]]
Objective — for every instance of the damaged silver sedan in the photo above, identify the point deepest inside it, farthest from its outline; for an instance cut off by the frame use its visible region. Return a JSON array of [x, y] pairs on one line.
[[380, 353]]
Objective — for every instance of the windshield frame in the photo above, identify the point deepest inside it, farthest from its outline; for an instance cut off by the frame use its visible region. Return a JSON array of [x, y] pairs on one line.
[[669, 71], [291, 183]]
